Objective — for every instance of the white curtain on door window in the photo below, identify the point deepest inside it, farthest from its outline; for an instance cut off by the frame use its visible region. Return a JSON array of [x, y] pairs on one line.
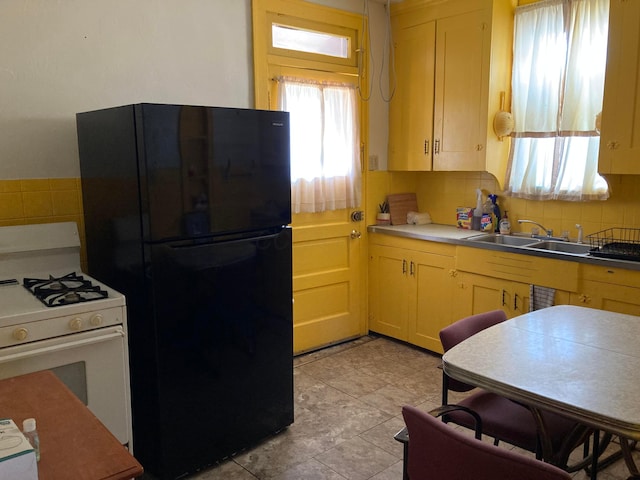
[[560, 49], [325, 144]]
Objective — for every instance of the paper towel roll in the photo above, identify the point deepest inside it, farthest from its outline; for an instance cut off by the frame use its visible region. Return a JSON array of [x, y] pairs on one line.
[[416, 218]]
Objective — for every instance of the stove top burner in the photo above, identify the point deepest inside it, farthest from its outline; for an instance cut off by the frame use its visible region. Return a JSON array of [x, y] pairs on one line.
[[66, 290]]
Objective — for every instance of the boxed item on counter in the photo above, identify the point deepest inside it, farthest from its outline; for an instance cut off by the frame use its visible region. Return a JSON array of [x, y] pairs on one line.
[[17, 456], [463, 217]]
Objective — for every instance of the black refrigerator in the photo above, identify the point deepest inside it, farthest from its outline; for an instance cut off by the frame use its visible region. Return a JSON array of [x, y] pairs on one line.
[[186, 212]]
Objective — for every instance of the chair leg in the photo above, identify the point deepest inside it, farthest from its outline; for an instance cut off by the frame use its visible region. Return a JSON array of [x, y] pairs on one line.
[[403, 437], [405, 457], [627, 446]]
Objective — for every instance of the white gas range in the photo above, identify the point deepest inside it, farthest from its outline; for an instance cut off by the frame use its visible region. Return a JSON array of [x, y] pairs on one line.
[[55, 317]]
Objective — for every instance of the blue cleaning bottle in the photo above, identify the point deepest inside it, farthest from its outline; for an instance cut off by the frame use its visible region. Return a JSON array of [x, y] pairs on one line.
[[496, 212]]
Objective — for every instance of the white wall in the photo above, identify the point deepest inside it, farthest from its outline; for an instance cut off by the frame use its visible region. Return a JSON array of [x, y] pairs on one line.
[[61, 57]]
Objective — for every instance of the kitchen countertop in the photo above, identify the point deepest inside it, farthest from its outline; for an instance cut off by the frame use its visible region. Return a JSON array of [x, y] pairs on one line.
[[457, 236]]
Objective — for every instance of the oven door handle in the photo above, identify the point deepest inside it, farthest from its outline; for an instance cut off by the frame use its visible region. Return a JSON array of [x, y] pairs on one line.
[[59, 344]]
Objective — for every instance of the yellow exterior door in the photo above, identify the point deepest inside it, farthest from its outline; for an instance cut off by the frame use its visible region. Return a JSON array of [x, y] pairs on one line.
[[328, 290], [328, 284]]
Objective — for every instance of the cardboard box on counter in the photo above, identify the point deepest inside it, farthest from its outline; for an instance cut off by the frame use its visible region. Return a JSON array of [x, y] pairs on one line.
[[17, 457]]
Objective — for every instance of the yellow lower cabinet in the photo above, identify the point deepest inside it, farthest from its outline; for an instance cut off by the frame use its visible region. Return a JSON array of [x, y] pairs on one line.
[[479, 294], [388, 291], [411, 293], [611, 289], [430, 303], [491, 279]]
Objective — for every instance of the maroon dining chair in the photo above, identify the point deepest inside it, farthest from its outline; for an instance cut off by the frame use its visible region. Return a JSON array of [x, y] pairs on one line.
[[553, 436], [437, 451]]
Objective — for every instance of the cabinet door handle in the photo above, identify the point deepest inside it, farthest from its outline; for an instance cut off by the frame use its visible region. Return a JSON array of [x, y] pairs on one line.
[[515, 302], [426, 147], [503, 301], [584, 298], [404, 266], [412, 270], [436, 147]]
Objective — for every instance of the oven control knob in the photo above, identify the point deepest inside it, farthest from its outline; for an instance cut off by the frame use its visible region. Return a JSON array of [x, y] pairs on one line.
[[20, 334], [75, 323], [96, 320]]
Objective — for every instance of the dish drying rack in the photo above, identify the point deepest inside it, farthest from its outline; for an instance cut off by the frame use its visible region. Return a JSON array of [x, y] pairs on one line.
[[619, 243]]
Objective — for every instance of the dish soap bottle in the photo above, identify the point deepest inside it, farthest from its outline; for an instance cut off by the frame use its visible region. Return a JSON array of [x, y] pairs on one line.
[[505, 224]]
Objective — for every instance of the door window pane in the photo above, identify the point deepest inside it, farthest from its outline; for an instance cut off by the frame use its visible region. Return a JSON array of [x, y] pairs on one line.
[[309, 41]]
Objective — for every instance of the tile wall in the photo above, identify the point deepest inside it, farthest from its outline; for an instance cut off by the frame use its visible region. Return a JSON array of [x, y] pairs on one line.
[[439, 193], [47, 200]]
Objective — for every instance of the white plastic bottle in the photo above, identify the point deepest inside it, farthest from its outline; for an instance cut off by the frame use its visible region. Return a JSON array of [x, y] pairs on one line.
[[29, 430], [505, 224]]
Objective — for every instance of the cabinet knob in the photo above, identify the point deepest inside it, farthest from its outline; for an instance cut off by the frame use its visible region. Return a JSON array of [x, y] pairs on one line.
[[584, 298], [355, 234], [453, 273], [479, 147], [613, 145]]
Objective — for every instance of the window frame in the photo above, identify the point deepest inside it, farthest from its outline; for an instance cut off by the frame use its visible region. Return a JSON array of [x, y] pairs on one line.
[[314, 26], [269, 62]]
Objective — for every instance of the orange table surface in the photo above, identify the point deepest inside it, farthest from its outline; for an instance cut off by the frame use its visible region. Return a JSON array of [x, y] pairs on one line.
[[73, 442]]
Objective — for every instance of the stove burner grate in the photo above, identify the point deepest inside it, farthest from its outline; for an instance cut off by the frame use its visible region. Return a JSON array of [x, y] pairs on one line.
[[69, 289]]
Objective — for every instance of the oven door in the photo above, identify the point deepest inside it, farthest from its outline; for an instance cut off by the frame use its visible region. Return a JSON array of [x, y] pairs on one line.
[[92, 364]]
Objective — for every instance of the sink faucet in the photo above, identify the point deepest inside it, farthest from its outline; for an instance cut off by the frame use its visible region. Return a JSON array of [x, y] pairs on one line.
[[549, 232]]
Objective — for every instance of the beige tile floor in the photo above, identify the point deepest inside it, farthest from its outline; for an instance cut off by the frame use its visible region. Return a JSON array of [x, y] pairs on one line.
[[348, 401]]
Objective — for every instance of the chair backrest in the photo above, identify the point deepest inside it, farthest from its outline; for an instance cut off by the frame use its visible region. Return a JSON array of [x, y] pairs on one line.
[[461, 330], [440, 452]]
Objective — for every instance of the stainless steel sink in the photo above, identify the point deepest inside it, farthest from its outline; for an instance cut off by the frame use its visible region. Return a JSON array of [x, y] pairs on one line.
[[504, 239], [562, 247]]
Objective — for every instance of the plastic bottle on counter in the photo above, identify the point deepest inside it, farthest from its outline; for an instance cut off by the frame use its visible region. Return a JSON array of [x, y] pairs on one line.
[[477, 212], [505, 224], [486, 224], [495, 212], [29, 430]]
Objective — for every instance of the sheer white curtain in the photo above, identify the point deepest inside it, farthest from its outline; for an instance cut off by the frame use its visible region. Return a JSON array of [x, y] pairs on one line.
[[560, 49], [325, 144]]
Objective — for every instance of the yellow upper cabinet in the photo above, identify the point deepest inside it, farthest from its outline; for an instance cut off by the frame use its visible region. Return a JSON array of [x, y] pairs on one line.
[[620, 134], [411, 109], [462, 48], [452, 61]]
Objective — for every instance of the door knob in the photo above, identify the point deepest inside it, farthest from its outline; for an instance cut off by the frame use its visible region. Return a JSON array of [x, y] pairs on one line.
[[355, 234]]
